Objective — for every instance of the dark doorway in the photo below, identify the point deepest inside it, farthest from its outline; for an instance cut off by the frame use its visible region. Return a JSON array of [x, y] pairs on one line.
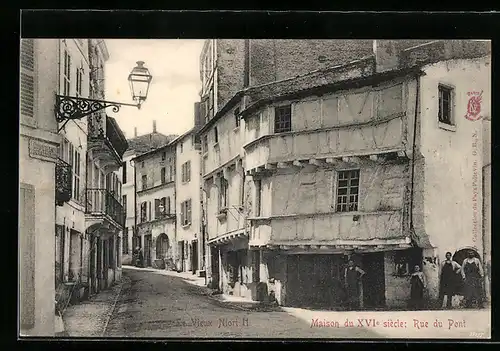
[[461, 255], [180, 245], [147, 250], [315, 281], [374, 280], [194, 256], [92, 255], [214, 262], [100, 269], [105, 250]]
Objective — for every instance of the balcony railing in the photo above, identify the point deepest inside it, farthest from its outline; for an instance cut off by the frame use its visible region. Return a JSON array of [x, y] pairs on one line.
[[63, 182], [103, 202]]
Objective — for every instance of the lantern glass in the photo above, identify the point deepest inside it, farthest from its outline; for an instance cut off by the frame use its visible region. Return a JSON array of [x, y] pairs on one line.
[[139, 79]]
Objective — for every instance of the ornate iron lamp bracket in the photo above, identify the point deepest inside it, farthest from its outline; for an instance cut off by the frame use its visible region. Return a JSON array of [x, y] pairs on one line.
[[70, 107]]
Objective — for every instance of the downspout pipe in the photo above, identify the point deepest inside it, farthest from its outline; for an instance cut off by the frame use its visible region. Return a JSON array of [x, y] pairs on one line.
[[414, 147], [132, 162]]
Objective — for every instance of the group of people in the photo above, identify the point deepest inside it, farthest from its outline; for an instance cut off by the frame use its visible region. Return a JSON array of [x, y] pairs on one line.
[[465, 280]]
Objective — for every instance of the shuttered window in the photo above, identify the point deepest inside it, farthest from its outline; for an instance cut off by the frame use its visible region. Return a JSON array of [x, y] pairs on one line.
[[144, 212], [27, 248], [67, 73], [27, 77], [186, 212], [157, 209], [166, 203]]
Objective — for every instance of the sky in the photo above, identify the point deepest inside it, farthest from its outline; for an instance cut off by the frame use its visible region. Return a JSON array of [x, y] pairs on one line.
[[174, 65]]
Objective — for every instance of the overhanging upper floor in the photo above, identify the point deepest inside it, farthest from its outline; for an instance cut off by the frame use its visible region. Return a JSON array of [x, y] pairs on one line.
[[107, 145], [331, 231]]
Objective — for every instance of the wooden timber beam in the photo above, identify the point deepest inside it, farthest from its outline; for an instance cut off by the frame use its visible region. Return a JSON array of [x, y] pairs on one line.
[[317, 162]]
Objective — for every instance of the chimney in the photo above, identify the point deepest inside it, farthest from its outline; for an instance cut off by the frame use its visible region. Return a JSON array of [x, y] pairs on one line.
[[386, 55], [135, 132], [154, 126]]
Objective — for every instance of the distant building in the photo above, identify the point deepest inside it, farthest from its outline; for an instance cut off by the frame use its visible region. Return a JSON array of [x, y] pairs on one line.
[[188, 197], [155, 203], [136, 146]]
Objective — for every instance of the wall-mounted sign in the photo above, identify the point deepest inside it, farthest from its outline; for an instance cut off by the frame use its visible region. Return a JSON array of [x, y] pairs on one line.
[[43, 150]]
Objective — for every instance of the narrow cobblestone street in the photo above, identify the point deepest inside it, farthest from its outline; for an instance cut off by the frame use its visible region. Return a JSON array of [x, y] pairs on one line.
[[162, 306], [151, 303]]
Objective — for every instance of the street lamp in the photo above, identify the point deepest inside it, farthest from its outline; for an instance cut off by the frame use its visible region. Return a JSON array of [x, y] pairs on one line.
[[139, 80], [71, 107]]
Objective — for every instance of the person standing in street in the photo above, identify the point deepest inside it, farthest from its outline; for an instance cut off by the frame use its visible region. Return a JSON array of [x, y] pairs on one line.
[[140, 258], [418, 285], [472, 273], [352, 277], [449, 280]]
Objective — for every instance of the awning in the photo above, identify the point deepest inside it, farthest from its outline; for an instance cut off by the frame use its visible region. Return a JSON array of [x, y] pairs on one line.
[[339, 246]]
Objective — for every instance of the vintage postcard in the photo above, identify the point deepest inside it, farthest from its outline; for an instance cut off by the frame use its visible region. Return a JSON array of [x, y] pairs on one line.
[[251, 188]]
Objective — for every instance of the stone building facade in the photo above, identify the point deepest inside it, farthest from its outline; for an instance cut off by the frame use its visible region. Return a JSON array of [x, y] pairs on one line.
[[188, 201], [137, 145], [38, 156], [349, 161], [155, 206]]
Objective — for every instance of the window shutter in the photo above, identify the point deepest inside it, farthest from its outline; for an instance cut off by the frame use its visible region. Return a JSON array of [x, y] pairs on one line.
[[27, 267], [166, 204], [203, 108], [183, 205], [143, 212], [189, 171], [27, 77], [157, 208]]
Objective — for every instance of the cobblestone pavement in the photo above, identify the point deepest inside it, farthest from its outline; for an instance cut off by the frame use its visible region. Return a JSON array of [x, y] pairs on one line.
[[158, 304], [162, 306], [89, 318]]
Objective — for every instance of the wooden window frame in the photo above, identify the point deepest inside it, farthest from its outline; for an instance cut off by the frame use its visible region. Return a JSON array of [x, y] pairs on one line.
[[347, 205], [223, 193], [67, 73], [216, 135], [283, 119], [186, 213], [124, 172], [163, 175], [76, 169], [144, 212], [444, 88], [124, 204]]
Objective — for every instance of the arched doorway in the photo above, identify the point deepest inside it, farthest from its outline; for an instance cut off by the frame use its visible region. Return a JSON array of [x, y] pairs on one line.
[[162, 246], [461, 254]]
